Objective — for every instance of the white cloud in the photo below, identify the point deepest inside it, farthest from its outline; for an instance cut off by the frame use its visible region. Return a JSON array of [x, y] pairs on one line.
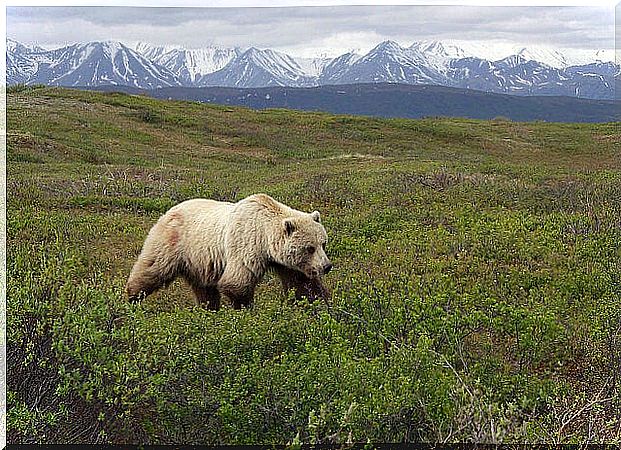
[[334, 45], [308, 31]]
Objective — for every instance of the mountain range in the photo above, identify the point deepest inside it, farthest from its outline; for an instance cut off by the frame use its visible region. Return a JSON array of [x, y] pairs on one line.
[[527, 71]]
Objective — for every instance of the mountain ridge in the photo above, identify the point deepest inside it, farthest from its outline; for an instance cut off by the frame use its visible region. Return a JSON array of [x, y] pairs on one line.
[[424, 62], [397, 100]]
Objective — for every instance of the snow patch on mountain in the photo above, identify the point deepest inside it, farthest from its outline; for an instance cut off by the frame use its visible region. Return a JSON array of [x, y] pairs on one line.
[[189, 64], [258, 68], [312, 67], [559, 58]]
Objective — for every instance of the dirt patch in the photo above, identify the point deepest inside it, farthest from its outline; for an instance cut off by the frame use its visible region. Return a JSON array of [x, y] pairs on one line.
[[608, 138], [33, 147], [356, 156]]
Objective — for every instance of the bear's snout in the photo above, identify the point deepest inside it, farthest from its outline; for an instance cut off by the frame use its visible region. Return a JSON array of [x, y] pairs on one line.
[[327, 268]]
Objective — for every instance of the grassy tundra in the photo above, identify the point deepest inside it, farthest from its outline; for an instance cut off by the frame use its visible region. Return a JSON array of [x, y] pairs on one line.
[[476, 288]]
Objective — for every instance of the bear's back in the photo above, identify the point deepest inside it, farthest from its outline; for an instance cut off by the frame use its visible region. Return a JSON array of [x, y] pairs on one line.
[[201, 205], [263, 204]]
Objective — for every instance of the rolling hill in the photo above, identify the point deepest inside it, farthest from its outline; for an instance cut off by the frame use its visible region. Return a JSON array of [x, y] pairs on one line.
[[476, 289], [399, 100]]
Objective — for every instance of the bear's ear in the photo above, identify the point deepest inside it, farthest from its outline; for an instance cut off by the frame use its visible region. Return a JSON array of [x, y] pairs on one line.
[[289, 226], [316, 216]]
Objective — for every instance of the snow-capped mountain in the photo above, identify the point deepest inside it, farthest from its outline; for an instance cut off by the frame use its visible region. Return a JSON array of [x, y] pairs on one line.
[[312, 67], [511, 75], [334, 70], [566, 58], [390, 63], [439, 54], [519, 76], [448, 50], [20, 62], [17, 47], [444, 50], [518, 70], [189, 64], [258, 68], [93, 64]]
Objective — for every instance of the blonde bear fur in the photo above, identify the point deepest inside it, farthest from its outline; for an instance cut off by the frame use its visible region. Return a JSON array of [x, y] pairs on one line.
[[226, 248]]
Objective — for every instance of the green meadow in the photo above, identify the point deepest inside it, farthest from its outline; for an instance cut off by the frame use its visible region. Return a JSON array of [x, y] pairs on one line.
[[476, 289]]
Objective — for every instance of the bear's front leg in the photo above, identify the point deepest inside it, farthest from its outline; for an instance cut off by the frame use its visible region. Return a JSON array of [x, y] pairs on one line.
[[238, 284]]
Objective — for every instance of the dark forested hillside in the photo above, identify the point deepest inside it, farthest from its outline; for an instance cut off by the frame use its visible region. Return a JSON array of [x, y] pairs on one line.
[[400, 100]]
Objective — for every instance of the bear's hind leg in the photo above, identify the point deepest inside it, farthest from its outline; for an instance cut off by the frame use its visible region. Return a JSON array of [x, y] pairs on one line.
[[151, 271], [208, 296], [238, 286], [159, 260]]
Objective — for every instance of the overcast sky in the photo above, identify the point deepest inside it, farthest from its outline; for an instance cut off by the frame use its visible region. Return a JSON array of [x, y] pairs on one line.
[[310, 31]]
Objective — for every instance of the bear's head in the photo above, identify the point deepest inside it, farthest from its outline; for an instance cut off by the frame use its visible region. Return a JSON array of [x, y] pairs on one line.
[[304, 247]]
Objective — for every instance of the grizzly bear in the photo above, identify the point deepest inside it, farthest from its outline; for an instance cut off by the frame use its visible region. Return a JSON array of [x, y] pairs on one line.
[[226, 248]]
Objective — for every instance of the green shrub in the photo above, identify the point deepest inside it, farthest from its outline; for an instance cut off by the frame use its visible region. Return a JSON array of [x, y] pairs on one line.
[[476, 289]]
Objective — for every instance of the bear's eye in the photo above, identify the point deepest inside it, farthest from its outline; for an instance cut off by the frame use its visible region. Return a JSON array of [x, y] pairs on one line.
[[310, 249]]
